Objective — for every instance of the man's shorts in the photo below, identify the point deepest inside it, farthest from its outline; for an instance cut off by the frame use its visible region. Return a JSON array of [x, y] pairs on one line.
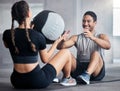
[[82, 66]]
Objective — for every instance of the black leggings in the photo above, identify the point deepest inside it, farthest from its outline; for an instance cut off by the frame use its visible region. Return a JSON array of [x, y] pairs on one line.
[[36, 79]]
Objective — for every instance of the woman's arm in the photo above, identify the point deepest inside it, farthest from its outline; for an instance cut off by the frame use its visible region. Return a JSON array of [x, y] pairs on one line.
[[46, 54], [67, 43]]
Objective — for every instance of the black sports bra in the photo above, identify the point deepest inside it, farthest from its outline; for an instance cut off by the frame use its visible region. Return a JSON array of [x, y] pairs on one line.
[[25, 59]]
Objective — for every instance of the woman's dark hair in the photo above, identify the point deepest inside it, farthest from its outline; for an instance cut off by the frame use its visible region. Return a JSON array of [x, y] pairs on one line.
[[19, 13], [92, 14]]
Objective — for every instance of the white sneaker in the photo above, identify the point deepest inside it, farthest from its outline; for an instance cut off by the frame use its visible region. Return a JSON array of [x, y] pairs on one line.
[[56, 80], [68, 82]]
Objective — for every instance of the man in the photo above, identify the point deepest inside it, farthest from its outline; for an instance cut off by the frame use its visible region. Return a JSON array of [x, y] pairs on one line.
[[90, 50]]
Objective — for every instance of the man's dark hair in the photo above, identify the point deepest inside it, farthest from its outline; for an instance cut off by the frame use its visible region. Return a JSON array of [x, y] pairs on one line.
[[92, 14]]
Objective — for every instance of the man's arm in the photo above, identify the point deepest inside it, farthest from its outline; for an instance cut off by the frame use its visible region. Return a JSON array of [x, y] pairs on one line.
[[102, 41]]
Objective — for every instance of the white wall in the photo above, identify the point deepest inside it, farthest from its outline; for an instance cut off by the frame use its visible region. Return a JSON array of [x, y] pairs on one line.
[[5, 23], [103, 9], [72, 12]]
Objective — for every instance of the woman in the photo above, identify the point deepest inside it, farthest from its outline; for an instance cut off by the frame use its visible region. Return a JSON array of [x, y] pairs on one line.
[[25, 44]]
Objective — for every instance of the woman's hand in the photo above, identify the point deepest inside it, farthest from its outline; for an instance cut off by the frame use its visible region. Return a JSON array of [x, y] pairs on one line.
[[65, 35]]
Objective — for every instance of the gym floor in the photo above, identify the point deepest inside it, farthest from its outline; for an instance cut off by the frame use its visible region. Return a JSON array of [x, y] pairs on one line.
[[111, 82]]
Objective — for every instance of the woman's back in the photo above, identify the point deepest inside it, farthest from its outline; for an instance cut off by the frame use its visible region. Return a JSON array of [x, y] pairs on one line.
[[26, 59]]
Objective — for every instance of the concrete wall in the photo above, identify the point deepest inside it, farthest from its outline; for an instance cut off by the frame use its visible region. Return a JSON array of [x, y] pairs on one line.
[[103, 9], [72, 12], [116, 49]]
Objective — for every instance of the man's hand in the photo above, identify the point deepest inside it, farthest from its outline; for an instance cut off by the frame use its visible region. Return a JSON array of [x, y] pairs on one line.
[[88, 34]]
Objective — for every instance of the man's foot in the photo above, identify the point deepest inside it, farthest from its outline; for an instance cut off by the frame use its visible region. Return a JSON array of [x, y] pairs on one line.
[[68, 81], [84, 78]]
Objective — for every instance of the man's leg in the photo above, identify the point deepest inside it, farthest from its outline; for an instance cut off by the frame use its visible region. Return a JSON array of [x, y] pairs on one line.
[[95, 65], [94, 68]]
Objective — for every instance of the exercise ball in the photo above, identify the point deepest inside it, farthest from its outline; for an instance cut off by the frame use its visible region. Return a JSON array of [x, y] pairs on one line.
[[50, 24]]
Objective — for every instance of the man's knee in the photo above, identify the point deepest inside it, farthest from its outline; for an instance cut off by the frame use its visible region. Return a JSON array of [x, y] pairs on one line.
[[96, 56], [65, 51]]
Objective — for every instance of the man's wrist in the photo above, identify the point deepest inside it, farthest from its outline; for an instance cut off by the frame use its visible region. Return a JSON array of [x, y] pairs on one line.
[[93, 38]]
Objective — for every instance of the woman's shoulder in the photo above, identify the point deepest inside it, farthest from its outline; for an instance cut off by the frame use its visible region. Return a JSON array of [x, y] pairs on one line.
[[6, 32], [6, 35], [37, 34]]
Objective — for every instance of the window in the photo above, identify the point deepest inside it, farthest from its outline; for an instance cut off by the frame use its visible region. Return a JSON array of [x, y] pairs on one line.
[[116, 18]]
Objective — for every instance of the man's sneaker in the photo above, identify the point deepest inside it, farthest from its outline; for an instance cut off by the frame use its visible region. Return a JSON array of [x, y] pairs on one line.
[[84, 78], [56, 80], [68, 81]]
